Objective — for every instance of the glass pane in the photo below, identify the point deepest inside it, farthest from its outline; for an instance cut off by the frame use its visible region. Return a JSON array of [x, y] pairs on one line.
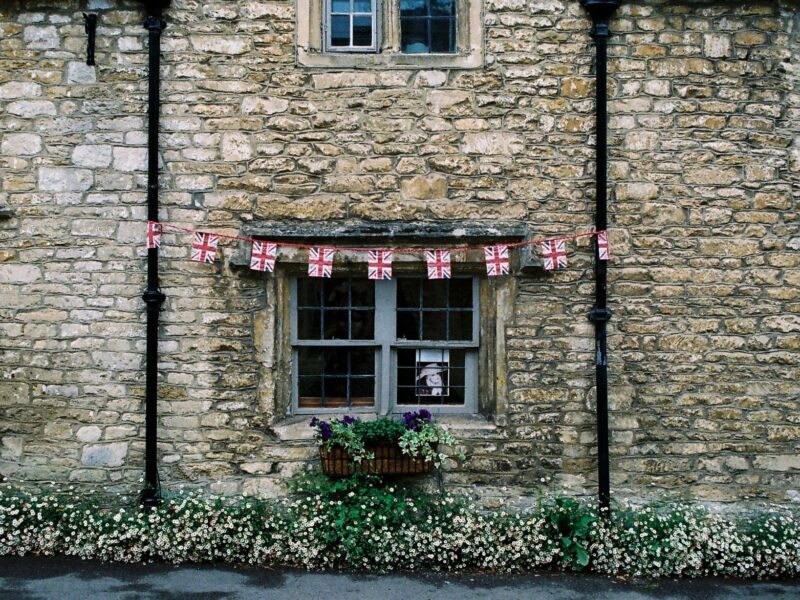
[[362, 6], [434, 325], [408, 293], [362, 391], [414, 35], [362, 361], [309, 324], [362, 31], [461, 293], [461, 325], [406, 387], [340, 6], [443, 8], [410, 8], [362, 325], [310, 361], [336, 392], [363, 293], [434, 293], [442, 35], [310, 392], [408, 325], [337, 326], [337, 293], [340, 31], [309, 292], [457, 378]]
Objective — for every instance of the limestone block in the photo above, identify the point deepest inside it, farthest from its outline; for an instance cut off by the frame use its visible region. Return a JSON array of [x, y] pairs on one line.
[[11, 448], [105, 455], [424, 187], [716, 45], [88, 433], [787, 462], [81, 73], [257, 468], [41, 37], [62, 179], [11, 273], [449, 102], [12, 393], [711, 175], [255, 105], [31, 108], [92, 155], [431, 78], [492, 142], [19, 89], [637, 191], [235, 146], [325, 81], [262, 487], [21, 144], [221, 44], [130, 159]]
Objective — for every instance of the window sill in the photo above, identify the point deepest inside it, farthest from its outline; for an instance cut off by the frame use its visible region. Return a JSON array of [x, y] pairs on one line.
[[295, 428], [364, 60]]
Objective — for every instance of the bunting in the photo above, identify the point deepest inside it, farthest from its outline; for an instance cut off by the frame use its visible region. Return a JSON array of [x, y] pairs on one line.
[[438, 264], [263, 256], [379, 264], [320, 262], [497, 262], [555, 254], [603, 252], [204, 248], [153, 234]]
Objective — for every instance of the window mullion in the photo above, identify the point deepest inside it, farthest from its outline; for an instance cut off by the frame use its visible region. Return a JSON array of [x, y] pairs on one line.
[[385, 333]]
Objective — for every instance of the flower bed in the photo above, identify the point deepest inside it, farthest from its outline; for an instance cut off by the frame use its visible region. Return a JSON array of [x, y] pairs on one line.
[[361, 523]]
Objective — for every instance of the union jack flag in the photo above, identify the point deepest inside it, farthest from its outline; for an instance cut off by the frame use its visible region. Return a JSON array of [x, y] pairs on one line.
[[204, 248], [153, 234], [263, 256], [320, 262], [603, 252], [496, 260], [438, 264], [379, 264], [555, 254]]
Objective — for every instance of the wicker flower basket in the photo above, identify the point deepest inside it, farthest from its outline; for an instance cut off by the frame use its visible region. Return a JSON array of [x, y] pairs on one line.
[[389, 460]]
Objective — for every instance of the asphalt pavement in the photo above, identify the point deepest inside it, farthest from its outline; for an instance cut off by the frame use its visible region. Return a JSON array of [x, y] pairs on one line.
[[64, 578]]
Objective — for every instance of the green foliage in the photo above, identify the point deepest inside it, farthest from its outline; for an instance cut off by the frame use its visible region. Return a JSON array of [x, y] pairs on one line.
[[365, 523]]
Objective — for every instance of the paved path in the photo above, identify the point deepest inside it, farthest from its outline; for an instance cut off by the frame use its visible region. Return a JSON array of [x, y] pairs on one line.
[[34, 578]]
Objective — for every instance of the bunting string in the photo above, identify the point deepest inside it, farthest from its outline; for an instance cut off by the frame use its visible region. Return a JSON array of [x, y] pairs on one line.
[[321, 258]]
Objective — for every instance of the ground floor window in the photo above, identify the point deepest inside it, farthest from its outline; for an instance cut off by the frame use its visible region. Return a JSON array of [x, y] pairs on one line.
[[384, 346]]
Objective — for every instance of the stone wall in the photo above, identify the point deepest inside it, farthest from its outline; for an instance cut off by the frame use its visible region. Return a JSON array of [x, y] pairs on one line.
[[704, 283]]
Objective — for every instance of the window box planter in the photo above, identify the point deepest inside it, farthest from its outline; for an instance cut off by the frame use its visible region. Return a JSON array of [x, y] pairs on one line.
[[386, 459]]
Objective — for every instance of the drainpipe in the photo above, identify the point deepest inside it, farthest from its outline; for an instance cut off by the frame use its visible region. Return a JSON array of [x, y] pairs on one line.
[[601, 11], [151, 493]]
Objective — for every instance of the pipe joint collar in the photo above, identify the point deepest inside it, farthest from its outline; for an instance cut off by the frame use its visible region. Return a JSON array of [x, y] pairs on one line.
[[599, 314]]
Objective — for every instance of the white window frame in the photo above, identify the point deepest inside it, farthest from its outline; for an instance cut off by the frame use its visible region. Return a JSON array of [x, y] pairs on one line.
[[386, 345], [327, 29]]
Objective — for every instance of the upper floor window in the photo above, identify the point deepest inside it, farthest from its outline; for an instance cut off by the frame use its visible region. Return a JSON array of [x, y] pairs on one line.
[[401, 33], [351, 25], [428, 26]]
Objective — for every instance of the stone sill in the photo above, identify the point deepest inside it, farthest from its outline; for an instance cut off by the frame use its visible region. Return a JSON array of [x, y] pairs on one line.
[[469, 60], [295, 428]]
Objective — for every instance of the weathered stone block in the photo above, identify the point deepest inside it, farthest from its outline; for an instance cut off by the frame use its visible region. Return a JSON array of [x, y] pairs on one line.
[[492, 143], [105, 455], [62, 179], [20, 89], [221, 44], [130, 159], [423, 187], [92, 156], [21, 144]]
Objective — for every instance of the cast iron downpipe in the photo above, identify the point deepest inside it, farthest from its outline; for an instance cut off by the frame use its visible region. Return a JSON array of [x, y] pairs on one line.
[[151, 493], [601, 11]]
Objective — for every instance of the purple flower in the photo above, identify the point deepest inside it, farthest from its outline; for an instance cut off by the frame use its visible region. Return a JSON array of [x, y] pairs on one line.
[[347, 420], [425, 415], [314, 421], [325, 430], [415, 420]]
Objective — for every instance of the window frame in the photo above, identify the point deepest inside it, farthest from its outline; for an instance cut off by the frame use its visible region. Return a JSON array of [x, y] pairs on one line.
[[327, 28], [386, 345]]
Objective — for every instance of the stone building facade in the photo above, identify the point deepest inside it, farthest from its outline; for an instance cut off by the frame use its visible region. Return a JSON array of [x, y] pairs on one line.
[[263, 130]]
